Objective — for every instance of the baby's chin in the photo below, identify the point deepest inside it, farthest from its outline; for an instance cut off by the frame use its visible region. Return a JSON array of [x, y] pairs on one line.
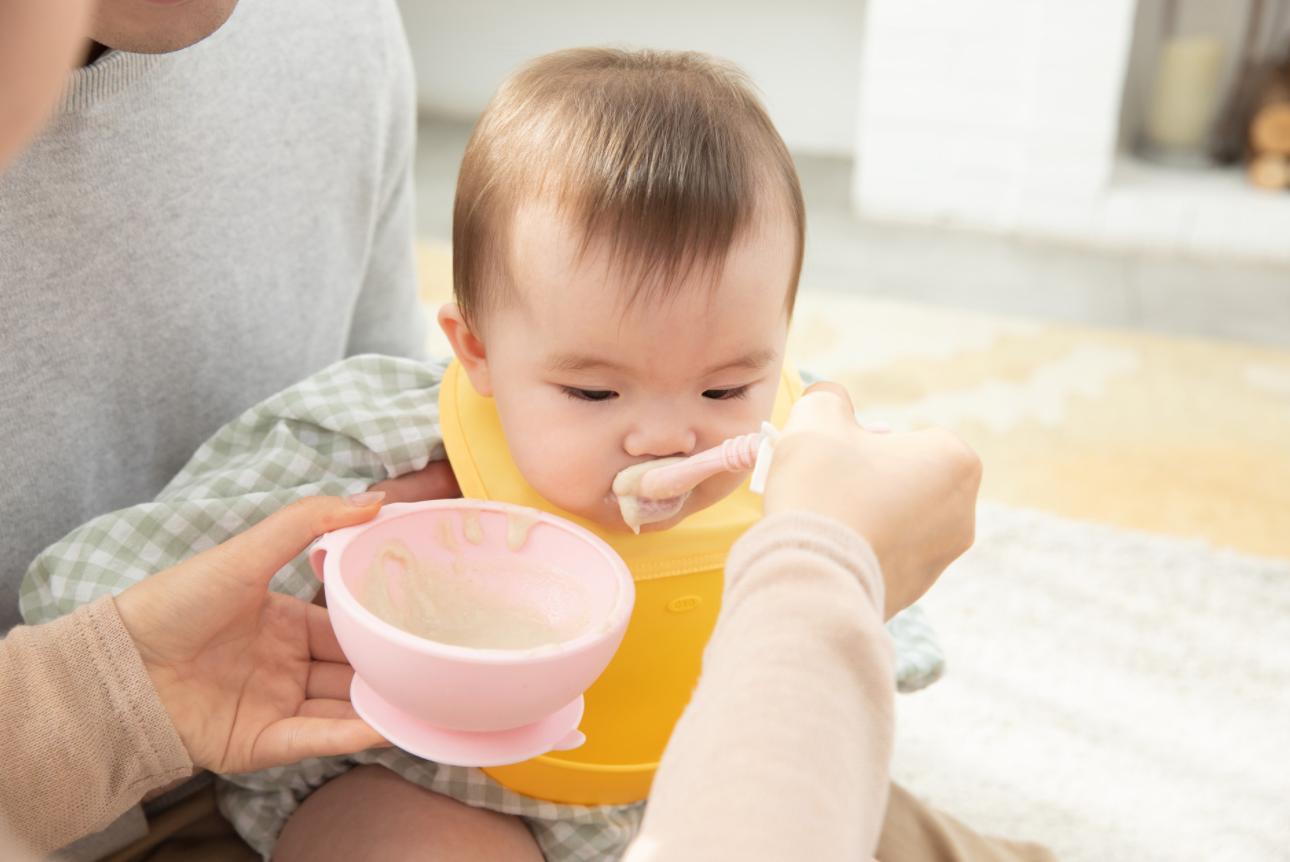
[[660, 526], [606, 514], [617, 525], [655, 526], [612, 521]]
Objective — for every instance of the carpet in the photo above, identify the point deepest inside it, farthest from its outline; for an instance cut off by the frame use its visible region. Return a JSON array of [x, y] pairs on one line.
[[1112, 694]]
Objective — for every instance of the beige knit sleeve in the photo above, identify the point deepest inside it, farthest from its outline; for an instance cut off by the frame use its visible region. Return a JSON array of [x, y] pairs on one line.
[[85, 735], [784, 750]]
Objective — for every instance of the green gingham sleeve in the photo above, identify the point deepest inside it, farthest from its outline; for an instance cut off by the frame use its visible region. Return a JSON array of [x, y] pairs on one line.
[[355, 423]]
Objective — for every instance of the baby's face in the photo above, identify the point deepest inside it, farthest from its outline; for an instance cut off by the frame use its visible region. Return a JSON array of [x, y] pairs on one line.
[[587, 385]]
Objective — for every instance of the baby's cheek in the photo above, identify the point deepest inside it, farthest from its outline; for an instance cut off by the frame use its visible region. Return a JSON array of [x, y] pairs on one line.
[[560, 473]]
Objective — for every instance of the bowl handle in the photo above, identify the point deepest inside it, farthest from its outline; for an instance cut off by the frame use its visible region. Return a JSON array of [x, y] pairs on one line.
[[317, 554]]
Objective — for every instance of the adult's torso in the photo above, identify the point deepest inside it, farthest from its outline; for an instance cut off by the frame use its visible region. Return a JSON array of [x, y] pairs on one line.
[[190, 234]]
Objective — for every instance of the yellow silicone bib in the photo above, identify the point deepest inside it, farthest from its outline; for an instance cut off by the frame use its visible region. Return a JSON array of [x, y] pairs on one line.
[[633, 706]]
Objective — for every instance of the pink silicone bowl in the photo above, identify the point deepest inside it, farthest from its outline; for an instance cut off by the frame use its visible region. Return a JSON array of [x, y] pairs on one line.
[[462, 688]]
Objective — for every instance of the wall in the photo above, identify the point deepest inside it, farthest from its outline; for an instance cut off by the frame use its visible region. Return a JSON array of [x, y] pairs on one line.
[[804, 56], [990, 111]]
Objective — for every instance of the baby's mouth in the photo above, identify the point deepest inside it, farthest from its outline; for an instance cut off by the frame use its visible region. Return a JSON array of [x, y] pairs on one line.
[[636, 510]]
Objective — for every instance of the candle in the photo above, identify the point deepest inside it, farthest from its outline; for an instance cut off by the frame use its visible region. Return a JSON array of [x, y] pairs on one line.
[[1182, 102]]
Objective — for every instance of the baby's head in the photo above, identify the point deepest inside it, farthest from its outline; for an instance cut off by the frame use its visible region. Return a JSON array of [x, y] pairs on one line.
[[627, 240]]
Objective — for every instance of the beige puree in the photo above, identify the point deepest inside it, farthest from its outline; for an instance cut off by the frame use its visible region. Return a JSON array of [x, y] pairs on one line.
[[450, 601], [637, 510]]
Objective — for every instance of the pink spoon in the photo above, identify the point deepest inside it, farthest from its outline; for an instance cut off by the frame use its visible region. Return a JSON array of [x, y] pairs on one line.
[[736, 455]]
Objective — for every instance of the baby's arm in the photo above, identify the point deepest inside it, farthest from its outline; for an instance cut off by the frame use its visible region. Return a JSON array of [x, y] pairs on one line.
[[357, 423], [435, 481]]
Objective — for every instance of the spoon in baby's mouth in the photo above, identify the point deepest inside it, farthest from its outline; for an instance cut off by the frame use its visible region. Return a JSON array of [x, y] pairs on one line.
[[654, 491], [673, 478], [636, 508], [736, 455]]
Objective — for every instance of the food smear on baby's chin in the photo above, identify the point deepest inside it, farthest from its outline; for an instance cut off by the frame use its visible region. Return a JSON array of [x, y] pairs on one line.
[[637, 510], [458, 601]]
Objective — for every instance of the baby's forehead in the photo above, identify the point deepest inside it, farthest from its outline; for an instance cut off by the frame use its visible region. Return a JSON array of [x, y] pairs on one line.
[[577, 307], [554, 260]]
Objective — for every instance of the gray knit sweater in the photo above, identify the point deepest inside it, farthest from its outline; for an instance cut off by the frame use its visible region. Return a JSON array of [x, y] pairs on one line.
[[192, 233]]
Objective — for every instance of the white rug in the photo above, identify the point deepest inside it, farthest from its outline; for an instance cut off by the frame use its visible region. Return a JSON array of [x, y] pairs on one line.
[[1113, 695]]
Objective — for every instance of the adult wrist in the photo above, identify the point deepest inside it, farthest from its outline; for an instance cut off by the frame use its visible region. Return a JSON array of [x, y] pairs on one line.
[[147, 679], [819, 534]]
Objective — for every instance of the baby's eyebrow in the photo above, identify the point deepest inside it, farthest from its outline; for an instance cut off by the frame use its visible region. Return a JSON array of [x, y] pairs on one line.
[[754, 360], [580, 362]]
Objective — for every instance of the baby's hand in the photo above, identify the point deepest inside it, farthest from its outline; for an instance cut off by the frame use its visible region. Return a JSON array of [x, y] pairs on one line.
[[433, 482]]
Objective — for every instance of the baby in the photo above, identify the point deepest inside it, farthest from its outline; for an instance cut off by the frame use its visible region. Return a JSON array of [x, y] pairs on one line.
[[627, 239]]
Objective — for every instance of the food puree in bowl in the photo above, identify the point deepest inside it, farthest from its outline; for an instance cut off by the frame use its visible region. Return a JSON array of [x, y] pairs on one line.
[[464, 601]]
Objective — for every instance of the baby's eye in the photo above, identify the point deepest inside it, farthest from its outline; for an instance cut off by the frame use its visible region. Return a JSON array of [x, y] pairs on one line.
[[589, 394], [726, 394]]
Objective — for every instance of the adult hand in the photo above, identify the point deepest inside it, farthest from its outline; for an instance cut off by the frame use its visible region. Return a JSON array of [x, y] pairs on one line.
[[912, 496], [250, 678]]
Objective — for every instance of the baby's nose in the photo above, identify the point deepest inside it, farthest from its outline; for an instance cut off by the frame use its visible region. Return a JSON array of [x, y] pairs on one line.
[[660, 440]]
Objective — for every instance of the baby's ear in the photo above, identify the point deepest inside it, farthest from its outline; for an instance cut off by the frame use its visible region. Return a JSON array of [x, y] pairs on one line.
[[467, 346]]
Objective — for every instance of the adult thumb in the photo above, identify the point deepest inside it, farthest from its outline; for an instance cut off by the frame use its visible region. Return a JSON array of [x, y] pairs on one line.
[[823, 405], [268, 546]]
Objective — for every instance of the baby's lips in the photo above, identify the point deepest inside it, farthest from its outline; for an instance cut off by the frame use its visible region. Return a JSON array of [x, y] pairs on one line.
[[667, 503]]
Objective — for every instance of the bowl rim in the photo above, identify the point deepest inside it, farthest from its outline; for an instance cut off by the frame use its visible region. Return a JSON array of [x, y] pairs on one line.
[[337, 541]]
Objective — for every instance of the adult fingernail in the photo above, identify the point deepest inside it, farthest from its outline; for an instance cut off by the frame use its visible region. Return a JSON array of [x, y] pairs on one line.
[[366, 498]]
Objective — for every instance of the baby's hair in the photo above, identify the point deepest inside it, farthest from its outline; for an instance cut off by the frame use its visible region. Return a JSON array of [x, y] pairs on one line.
[[667, 156]]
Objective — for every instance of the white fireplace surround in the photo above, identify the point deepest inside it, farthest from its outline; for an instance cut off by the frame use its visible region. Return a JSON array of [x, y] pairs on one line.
[[1011, 115]]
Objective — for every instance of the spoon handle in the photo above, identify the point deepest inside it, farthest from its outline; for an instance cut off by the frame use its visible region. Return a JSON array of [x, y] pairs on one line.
[[736, 455]]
